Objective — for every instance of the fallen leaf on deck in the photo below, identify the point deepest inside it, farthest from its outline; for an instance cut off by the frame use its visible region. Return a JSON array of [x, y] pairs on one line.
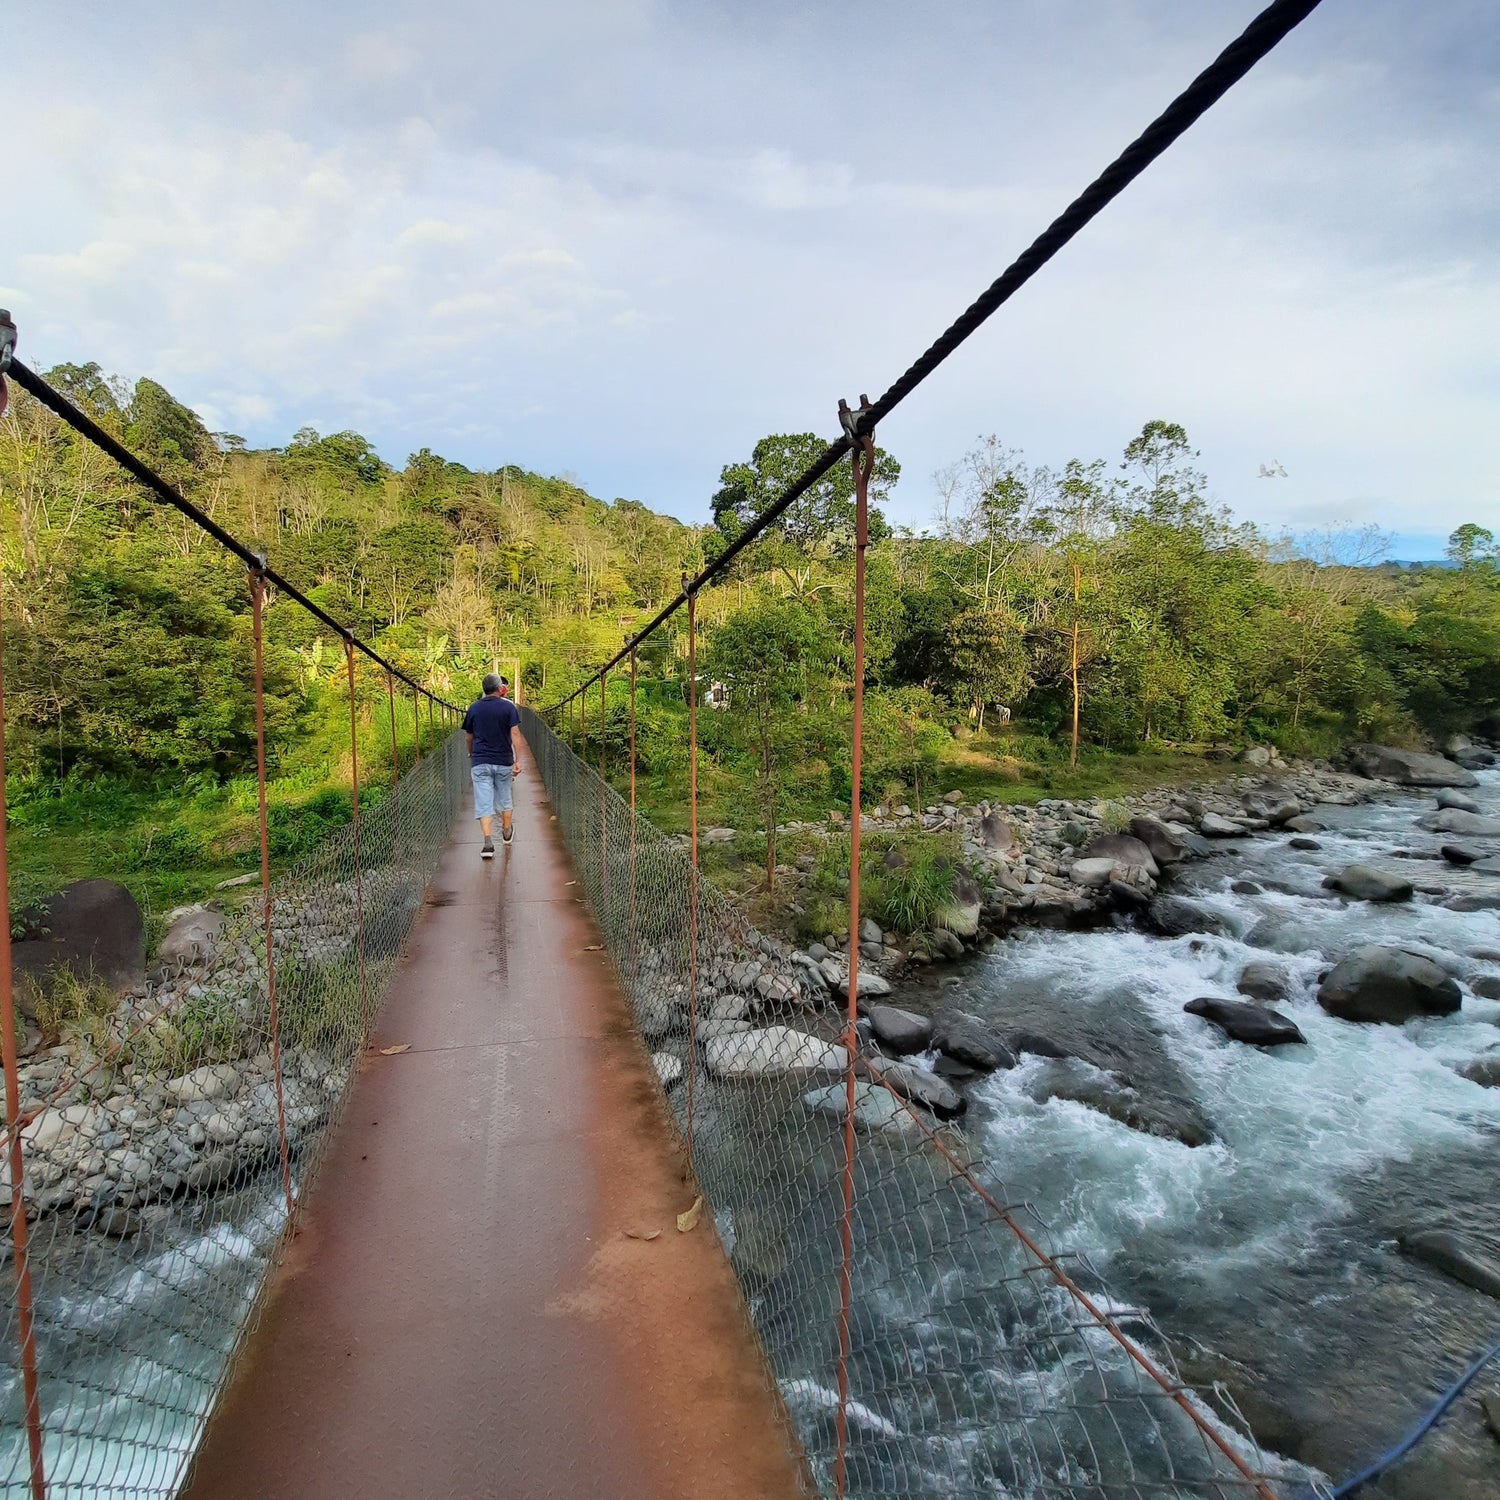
[[392, 1051], [641, 1234], [570, 882], [689, 1219], [594, 948]]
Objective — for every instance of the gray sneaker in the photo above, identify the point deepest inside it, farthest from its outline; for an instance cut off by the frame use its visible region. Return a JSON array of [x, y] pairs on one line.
[[488, 851]]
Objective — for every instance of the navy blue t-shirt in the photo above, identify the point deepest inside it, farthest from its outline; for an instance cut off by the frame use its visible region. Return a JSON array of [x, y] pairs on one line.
[[490, 721]]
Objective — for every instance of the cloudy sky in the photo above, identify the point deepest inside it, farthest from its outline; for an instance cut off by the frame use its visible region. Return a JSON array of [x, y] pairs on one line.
[[625, 238]]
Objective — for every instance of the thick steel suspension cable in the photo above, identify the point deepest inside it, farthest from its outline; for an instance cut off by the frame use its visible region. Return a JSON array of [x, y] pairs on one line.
[[1258, 39]]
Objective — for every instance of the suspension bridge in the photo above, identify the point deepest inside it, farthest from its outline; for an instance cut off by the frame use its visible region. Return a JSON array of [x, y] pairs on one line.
[[504, 1180]]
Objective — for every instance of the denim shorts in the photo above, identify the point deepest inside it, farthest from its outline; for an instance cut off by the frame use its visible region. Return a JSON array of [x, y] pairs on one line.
[[491, 789]]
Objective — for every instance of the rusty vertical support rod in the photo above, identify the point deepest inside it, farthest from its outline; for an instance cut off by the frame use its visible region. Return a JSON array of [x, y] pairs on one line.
[[359, 871], [632, 825], [390, 694], [863, 461], [603, 801], [692, 614], [25, 1321], [257, 599]]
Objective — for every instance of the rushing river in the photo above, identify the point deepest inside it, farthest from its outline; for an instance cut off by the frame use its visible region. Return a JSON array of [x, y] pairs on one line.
[[1269, 1256]]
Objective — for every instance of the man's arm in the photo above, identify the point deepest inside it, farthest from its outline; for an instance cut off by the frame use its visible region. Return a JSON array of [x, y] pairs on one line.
[[470, 736], [515, 747]]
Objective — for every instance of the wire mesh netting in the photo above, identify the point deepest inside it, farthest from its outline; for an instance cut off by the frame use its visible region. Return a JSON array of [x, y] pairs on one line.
[[977, 1365], [155, 1176]]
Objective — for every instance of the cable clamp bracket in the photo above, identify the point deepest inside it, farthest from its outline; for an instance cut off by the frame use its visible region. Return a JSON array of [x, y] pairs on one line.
[[849, 420]]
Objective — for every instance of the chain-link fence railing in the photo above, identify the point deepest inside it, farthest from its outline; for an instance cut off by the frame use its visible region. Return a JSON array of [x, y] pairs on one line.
[[162, 1150], [979, 1362]]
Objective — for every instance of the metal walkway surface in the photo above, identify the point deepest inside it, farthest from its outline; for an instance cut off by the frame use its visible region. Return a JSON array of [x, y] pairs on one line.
[[466, 1311]]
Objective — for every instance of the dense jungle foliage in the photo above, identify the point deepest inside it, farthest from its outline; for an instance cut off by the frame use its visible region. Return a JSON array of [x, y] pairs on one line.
[[1054, 631]]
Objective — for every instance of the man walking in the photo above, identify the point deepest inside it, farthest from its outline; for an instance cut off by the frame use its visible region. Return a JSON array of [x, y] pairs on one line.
[[493, 726]]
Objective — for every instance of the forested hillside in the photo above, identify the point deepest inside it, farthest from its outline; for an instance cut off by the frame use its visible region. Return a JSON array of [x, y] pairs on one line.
[[1047, 624]]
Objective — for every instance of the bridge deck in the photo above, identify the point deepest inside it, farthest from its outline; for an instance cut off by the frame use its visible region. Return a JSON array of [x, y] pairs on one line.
[[463, 1314]]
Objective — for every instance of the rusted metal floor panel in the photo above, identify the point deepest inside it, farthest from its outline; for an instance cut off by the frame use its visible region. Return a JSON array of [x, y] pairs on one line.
[[462, 1314]]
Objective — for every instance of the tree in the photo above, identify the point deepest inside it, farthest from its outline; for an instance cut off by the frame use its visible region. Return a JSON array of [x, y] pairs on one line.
[[987, 657], [768, 656]]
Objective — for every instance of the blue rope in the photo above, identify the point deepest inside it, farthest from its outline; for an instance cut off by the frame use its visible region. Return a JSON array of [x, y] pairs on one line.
[[1438, 1412]]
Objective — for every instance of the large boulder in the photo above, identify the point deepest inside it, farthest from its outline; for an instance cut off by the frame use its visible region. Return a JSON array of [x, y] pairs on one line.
[[1461, 854], [1377, 983], [1366, 883], [1456, 800], [1109, 1094], [1275, 807], [919, 1085], [1124, 849], [875, 1108], [1243, 1022], [969, 1040], [1474, 825], [1263, 980], [1485, 1071], [769, 1051], [1408, 767], [1214, 826], [900, 1031], [192, 936], [1165, 846], [995, 833], [93, 927]]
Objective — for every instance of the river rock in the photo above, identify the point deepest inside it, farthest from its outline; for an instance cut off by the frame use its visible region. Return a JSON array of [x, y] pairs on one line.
[[1473, 825], [1489, 865], [1174, 916], [1447, 797], [1365, 883], [1123, 849], [1271, 806], [1485, 1071], [960, 913], [1408, 767], [869, 931], [1092, 873], [875, 1108], [1486, 986], [93, 927], [1213, 826], [1378, 983], [995, 833], [1110, 1095], [1304, 843], [969, 1040], [900, 1031], [1448, 1253], [953, 798], [1461, 854], [1303, 823], [1165, 846], [668, 1068], [770, 1051], [1036, 1045], [1263, 980], [208, 1082], [1243, 1022], [193, 936], [1473, 901], [918, 1085]]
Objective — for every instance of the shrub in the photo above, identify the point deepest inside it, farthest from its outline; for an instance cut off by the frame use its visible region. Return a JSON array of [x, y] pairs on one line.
[[69, 1006], [908, 896], [169, 848]]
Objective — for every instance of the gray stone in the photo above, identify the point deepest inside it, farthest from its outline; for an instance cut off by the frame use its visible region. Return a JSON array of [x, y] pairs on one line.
[[1092, 873], [919, 1086], [1243, 1022], [1485, 1071], [1271, 806], [995, 833], [1365, 883], [1447, 1252], [953, 798], [969, 1040], [1257, 755], [1382, 984], [1263, 980], [1108, 1094], [1303, 843], [869, 931], [961, 913], [1474, 825], [192, 937], [1473, 901], [1461, 854], [1211, 825], [1486, 986], [1408, 767], [1124, 849], [1303, 823], [770, 1051], [1447, 797], [1166, 848], [668, 1068], [875, 1108], [900, 1031]]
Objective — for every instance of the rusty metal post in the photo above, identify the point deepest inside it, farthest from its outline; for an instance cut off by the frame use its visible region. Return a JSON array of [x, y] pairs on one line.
[[603, 797], [257, 599], [863, 460], [359, 872], [25, 1320], [692, 614], [632, 824]]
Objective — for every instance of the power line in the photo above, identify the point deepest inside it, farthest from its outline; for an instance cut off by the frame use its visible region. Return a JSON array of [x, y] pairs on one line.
[[56, 402], [1259, 38]]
